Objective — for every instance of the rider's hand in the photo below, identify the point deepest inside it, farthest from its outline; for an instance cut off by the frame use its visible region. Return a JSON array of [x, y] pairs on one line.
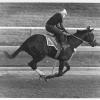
[[65, 31]]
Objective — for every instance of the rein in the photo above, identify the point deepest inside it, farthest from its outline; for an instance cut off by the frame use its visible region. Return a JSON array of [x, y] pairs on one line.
[[79, 38]]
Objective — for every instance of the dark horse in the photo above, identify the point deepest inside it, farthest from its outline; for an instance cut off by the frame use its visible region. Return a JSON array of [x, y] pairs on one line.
[[37, 47]]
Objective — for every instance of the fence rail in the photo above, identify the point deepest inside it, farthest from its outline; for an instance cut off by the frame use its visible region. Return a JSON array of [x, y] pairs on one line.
[[80, 48], [69, 28]]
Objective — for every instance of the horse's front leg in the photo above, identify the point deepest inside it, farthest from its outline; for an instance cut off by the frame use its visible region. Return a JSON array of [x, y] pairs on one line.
[[67, 67], [61, 67], [60, 71]]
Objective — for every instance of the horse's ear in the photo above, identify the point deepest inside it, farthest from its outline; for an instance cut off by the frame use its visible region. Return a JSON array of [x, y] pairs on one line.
[[88, 28], [91, 30]]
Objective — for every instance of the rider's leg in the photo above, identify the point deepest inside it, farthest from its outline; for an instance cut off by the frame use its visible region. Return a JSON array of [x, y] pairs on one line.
[[58, 34]]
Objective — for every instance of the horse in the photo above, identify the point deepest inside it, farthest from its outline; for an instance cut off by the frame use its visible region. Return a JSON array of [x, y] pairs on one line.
[[36, 46]]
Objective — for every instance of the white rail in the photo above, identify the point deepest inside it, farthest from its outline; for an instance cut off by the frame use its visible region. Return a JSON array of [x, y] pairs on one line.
[[49, 1], [80, 48], [69, 28]]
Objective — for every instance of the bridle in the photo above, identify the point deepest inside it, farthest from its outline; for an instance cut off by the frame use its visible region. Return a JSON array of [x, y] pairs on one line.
[[92, 41], [86, 42]]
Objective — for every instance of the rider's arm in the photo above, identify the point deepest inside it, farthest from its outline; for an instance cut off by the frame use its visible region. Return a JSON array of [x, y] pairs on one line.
[[62, 27], [58, 26]]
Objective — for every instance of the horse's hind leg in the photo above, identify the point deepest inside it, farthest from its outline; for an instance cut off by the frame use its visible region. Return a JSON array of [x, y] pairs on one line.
[[33, 65]]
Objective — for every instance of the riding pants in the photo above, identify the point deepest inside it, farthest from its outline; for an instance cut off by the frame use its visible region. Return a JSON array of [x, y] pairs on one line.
[[57, 33]]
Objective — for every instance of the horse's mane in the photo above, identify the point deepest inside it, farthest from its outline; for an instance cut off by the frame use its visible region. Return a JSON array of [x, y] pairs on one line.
[[77, 33], [80, 32]]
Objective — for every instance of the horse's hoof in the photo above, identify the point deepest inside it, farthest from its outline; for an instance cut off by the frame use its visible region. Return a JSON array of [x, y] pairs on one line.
[[43, 77]]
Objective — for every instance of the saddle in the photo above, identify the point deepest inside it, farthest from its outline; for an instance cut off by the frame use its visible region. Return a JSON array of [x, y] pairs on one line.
[[51, 41]]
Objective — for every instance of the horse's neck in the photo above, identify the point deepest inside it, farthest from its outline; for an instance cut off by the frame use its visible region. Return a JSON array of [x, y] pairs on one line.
[[75, 42]]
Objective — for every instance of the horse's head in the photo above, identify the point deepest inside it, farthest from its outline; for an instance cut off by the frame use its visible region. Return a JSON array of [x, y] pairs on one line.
[[90, 37]]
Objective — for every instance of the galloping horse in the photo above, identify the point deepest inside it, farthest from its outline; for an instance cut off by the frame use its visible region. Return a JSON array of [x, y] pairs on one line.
[[37, 47]]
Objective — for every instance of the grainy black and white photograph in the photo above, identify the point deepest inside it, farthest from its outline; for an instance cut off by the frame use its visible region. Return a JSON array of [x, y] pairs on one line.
[[49, 50]]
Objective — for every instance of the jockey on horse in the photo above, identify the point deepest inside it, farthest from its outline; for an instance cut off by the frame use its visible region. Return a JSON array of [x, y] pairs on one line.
[[55, 26]]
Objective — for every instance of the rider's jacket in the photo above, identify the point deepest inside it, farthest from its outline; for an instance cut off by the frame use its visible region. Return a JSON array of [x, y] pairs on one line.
[[55, 19]]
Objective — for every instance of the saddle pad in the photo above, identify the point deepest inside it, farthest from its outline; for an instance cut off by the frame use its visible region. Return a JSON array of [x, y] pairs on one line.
[[52, 42]]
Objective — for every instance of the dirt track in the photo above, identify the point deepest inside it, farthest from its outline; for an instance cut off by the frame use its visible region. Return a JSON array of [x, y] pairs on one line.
[[25, 84]]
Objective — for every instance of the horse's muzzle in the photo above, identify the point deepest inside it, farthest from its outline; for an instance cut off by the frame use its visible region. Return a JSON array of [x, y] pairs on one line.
[[93, 43]]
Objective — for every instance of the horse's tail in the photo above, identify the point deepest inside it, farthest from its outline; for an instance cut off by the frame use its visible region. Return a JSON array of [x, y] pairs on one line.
[[11, 56]]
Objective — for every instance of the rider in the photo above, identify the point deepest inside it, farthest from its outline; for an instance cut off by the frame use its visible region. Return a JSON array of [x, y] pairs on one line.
[[55, 26]]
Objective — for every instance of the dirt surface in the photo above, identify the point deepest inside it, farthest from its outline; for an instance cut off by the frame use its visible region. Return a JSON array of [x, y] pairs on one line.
[[26, 84]]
